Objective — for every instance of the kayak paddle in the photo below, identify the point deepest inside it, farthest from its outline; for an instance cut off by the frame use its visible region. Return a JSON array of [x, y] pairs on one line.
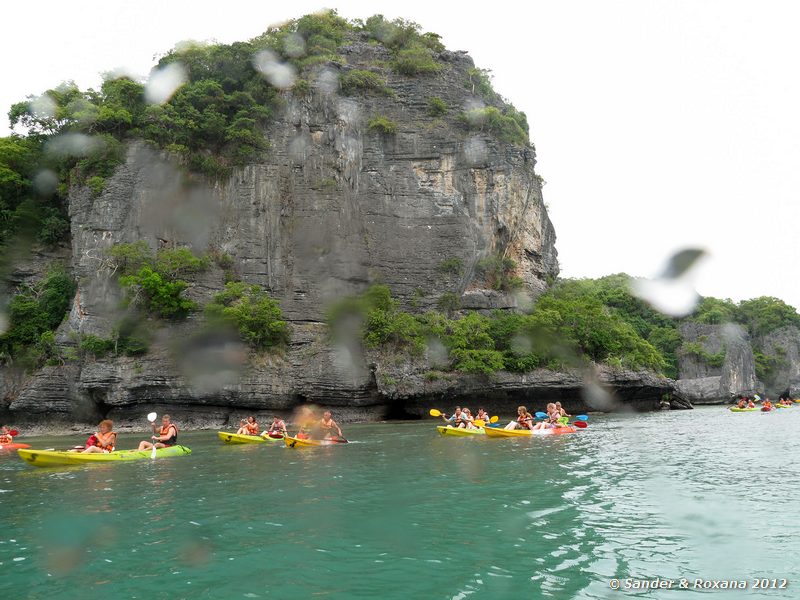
[[580, 424], [152, 418], [540, 415], [435, 413], [582, 417]]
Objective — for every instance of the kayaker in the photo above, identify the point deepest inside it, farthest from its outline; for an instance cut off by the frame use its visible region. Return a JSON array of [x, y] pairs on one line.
[[327, 425], [469, 420], [750, 403], [249, 427], [741, 403], [5, 435], [551, 421], [524, 419], [482, 416], [456, 419], [561, 411], [101, 441], [277, 427], [168, 435], [767, 405]]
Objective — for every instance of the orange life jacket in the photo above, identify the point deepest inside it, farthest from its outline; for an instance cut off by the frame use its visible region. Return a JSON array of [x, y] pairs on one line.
[[110, 446], [165, 431]]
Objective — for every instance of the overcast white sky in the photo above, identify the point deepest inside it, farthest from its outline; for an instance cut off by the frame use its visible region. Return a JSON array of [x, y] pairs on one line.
[[658, 125]]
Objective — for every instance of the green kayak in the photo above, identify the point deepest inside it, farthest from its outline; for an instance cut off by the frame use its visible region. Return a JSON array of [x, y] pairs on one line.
[[58, 458]]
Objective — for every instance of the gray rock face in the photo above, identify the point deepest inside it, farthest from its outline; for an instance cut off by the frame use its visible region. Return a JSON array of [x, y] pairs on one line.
[[700, 383], [784, 345], [332, 206]]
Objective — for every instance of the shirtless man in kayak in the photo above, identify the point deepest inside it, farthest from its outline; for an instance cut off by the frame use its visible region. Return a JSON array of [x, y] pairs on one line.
[[327, 425], [278, 427]]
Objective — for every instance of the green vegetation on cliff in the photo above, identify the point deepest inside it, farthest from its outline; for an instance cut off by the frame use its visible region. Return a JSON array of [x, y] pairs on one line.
[[153, 281], [34, 313], [573, 322], [251, 312], [568, 326]]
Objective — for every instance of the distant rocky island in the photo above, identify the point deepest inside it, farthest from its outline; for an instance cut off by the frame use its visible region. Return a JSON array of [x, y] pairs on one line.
[[335, 212]]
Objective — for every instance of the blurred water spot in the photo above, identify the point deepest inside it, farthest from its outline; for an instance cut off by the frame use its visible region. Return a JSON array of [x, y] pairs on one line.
[[349, 111], [212, 360], [597, 397], [680, 262], [66, 538], [173, 209], [436, 353], [475, 151], [164, 82], [348, 360], [672, 292], [123, 72], [43, 106], [473, 112], [521, 344], [72, 144], [298, 147], [673, 297], [83, 111], [195, 553], [327, 81], [731, 332], [278, 73], [294, 45], [45, 182]]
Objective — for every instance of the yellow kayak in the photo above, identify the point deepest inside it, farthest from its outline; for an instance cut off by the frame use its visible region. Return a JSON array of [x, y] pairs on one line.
[[459, 431], [497, 432], [59, 458], [737, 409], [237, 438], [306, 443]]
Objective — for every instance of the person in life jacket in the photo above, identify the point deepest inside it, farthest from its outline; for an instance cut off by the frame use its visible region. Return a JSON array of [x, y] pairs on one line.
[[101, 441], [249, 427], [167, 436], [5, 435]]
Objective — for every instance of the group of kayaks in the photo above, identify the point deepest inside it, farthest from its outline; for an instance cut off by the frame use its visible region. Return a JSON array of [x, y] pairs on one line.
[[499, 432], [57, 458], [769, 408], [291, 442]]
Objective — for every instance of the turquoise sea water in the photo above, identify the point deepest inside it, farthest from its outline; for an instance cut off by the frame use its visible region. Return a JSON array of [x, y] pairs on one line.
[[405, 513]]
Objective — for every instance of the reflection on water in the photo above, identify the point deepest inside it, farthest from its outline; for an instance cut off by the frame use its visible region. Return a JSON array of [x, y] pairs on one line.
[[407, 513]]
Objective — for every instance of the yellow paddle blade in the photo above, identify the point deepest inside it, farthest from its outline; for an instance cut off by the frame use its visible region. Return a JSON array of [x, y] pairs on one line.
[[435, 413], [479, 423], [494, 419]]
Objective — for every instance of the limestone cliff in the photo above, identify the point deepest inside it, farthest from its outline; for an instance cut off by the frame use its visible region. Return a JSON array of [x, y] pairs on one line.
[[702, 383], [331, 206]]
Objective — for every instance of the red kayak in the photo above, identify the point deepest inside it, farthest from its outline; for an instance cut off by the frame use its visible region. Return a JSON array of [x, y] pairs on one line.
[[4, 447]]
